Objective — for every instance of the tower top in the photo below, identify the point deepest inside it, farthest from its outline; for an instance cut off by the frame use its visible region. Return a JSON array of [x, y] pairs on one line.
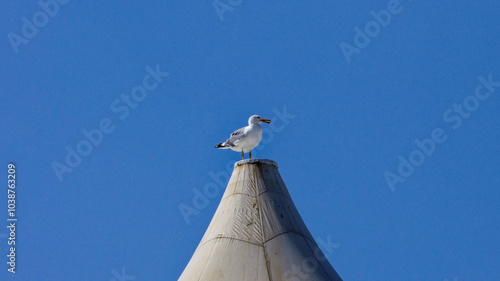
[[254, 161], [257, 233]]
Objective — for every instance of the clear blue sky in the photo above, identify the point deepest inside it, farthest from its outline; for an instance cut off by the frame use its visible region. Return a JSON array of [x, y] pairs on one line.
[[355, 104]]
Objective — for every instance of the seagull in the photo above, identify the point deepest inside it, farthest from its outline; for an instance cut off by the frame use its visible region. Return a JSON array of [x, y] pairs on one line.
[[247, 138]]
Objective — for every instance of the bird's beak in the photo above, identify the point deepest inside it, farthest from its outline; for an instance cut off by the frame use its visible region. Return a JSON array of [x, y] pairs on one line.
[[268, 121]]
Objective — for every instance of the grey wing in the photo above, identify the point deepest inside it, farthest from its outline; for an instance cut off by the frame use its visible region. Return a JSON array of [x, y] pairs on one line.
[[236, 136]]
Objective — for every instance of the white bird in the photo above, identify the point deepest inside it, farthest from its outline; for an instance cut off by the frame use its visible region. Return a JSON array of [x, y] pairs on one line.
[[247, 138]]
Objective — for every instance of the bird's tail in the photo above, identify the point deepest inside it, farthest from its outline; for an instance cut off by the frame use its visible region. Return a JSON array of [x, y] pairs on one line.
[[222, 145]]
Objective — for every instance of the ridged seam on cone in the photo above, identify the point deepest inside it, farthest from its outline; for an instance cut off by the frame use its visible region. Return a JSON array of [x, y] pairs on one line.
[[253, 161]]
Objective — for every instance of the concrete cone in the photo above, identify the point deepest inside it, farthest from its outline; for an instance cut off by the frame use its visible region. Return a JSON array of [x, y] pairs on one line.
[[257, 234]]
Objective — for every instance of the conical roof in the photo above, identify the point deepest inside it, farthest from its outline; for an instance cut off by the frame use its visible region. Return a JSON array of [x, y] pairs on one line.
[[257, 233]]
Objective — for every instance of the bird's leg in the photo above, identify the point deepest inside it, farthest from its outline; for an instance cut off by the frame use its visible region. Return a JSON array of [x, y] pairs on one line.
[[242, 155], [250, 154]]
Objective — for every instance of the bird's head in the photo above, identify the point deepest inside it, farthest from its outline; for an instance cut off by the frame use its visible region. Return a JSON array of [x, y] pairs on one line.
[[256, 119]]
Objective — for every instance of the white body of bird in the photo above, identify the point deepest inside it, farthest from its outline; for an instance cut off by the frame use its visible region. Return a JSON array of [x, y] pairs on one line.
[[247, 138]]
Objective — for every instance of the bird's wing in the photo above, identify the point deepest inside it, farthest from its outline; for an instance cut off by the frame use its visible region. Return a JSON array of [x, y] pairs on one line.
[[236, 136], [238, 132]]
